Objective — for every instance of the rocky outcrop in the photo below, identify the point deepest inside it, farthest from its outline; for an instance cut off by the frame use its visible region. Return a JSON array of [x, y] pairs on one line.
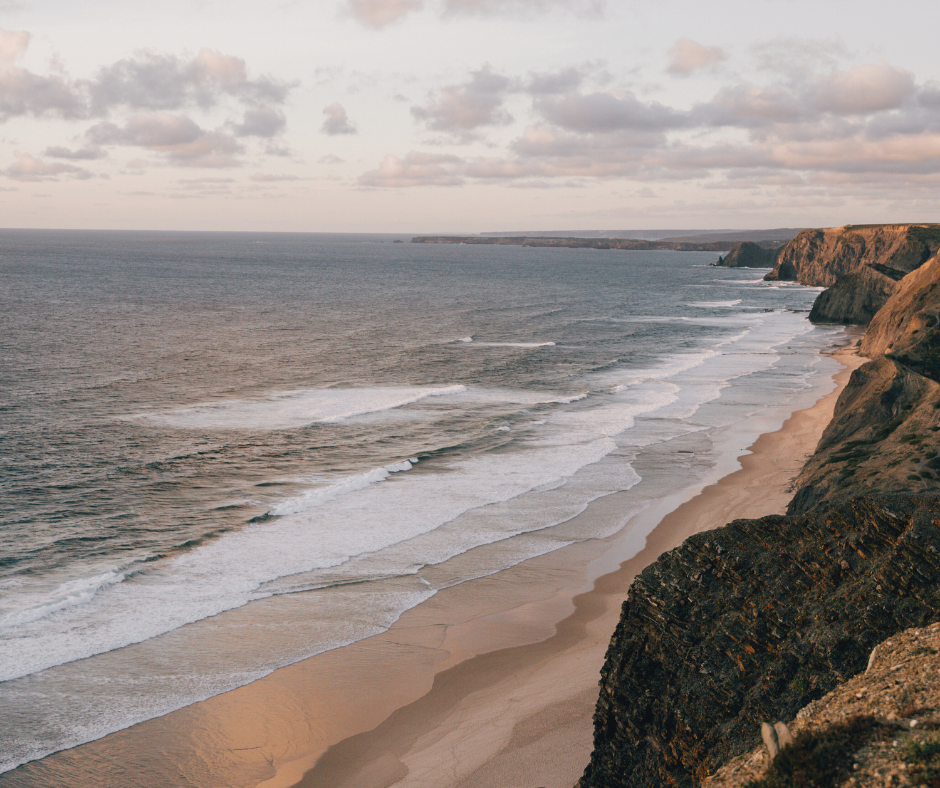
[[854, 299], [749, 255], [821, 257], [752, 622]]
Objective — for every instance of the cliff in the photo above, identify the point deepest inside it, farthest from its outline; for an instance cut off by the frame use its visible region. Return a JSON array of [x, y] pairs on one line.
[[884, 432], [749, 255], [821, 257], [755, 620], [752, 622], [854, 299]]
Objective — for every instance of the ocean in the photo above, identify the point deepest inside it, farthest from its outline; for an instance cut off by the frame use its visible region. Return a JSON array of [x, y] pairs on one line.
[[324, 430]]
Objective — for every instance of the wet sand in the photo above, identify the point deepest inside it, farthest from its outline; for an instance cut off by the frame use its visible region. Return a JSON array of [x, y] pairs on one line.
[[513, 691], [490, 683]]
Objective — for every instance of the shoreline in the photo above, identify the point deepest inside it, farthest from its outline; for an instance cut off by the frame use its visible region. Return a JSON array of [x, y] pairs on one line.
[[521, 714], [492, 681]]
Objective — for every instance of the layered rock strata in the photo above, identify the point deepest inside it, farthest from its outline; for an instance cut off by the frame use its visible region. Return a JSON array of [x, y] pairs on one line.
[[752, 622]]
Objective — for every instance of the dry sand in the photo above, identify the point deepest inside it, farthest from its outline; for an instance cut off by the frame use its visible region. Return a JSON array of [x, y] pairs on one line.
[[490, 683]]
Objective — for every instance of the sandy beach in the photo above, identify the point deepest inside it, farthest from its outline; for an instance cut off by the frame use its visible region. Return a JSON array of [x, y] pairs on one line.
[[489, 683]]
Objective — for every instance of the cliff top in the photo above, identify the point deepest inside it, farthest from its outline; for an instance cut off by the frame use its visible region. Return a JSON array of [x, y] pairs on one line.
[[823, 256], [897, 700]]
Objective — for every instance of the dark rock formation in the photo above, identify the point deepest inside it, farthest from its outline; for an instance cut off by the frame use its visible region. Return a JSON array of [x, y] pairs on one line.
[[854, 299], [749, 255], [751, 622], [821, 257]]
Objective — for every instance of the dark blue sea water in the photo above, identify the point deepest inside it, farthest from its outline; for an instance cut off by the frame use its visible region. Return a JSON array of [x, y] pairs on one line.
[[194, 423]]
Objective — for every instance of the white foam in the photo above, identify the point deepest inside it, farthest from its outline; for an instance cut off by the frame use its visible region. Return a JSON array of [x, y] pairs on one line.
[[324, 527], [321, 495], [282, 410], [35, 606], [714, 304], [523, 345]]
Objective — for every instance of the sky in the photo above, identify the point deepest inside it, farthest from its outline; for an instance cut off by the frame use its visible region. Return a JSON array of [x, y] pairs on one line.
[[465, 116]]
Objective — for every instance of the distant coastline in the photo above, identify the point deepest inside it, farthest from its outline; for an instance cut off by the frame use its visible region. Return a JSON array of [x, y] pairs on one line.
[[626, 244]]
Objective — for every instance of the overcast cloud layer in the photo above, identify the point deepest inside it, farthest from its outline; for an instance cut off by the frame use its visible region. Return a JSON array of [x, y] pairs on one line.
[[468, 115]]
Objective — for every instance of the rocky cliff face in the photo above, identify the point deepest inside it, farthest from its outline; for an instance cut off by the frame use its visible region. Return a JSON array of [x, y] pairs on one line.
[[854, 299], [884, 432], [753, 621], [907, 327], [821, 257], [749, 255]]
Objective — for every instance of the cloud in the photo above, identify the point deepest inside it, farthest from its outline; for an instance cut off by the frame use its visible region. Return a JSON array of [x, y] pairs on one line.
[[260, 177], [177, 137], [25, 93], [167, 82], [261, 122], [29, 168], [75, 154], [606, 112], [555, 82], [863, 89], [337, 121], [493, 7], [687, 56], [461, 109], [415, 169], [330, 158], [147, 81], [13, 44], [381, 13]]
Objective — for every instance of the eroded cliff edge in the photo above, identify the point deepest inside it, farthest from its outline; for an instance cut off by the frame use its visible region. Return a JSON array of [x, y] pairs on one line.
[[755, 620], [861, 266]]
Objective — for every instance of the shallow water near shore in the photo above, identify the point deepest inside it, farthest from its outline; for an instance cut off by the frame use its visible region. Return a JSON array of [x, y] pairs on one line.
[[224, 453]]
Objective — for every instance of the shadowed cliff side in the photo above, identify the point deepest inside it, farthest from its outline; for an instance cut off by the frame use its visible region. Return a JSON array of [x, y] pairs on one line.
[[854, 299], [752, 622], [884, 433]]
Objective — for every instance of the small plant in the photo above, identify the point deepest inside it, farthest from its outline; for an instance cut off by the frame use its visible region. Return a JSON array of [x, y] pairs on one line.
[[924, 758], [801, 685]]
